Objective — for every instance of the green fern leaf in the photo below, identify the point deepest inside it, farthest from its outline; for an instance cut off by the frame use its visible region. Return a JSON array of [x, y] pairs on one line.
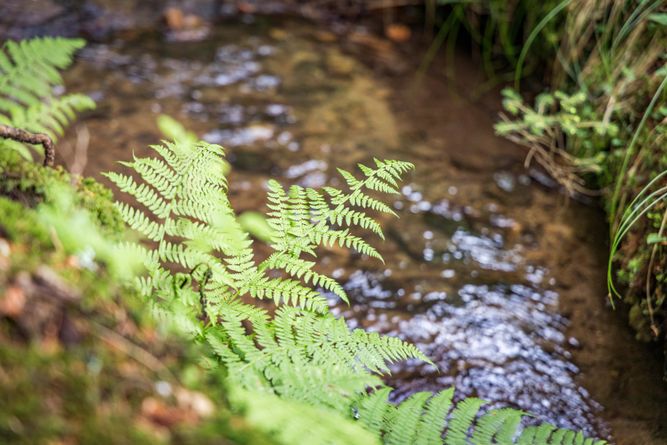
[[461, 422], [406, 419], [433, 422], [29, 71], [372, 409]]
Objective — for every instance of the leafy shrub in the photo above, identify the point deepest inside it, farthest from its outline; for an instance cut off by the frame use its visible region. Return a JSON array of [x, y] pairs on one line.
[[599, 129]]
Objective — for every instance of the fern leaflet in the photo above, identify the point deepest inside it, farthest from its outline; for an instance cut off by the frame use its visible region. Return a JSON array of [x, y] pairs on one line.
[[29, 72]]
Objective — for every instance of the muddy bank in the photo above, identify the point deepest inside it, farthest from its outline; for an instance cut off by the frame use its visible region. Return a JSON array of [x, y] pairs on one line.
[[498, 279]]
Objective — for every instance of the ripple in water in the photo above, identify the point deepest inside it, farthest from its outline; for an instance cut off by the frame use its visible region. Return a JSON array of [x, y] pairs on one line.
[[487, 321]]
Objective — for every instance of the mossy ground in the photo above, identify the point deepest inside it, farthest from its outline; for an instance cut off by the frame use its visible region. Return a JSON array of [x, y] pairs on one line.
[[80, 355]]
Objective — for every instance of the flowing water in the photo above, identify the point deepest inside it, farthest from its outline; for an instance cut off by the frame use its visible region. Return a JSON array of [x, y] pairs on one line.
[[498, 279]]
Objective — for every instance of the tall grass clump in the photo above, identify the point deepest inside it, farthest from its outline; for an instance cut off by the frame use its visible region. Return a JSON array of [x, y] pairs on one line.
[[496, 28], [599, 129]]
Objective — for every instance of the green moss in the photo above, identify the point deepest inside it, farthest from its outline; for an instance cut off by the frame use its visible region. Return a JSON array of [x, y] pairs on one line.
[[19, 224], [82, 394], [47, 397], [31, 202], [28, 183]]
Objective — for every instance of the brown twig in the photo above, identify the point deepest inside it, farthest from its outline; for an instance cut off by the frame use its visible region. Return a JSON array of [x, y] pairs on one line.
[[19, 135]]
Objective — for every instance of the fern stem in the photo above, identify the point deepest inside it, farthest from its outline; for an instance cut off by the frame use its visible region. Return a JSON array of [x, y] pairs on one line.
[[20, 135]]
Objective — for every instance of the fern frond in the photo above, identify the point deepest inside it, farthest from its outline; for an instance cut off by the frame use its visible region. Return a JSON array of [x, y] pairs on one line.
[[361, 200], [292, 422], [462, 418], [49, 117], [29, 71], [497, 426], [408, 414], [203, 271], [303, 270], [140, 222], [287, 291], [31, 66], [143, 193], [536, 434], [372, 409], [424, 418], [156, 173], [303, 219], [304, 356], [348, 217], [433, 421]]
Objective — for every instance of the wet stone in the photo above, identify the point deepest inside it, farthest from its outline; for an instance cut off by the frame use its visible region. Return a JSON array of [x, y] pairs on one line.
[[338, 64], [250, 161]]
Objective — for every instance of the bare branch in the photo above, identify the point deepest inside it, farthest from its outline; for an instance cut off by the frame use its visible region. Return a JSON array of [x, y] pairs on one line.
[[19, 135]]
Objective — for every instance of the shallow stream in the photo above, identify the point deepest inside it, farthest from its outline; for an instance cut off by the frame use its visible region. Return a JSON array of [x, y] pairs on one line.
[[499, 279]]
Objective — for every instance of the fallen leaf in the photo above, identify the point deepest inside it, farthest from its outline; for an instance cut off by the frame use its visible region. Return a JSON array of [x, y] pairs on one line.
[[174, 18], [13, 302], [398, 33]]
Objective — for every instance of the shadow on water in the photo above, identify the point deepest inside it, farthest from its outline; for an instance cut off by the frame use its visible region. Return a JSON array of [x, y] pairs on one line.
[[498, 279]]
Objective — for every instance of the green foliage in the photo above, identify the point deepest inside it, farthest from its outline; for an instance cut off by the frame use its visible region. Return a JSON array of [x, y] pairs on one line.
[[425, 418], [185, 193], [173, 130], [30, 183], [556, 117], [596, 117], [255, 224], [600, 129], [650, 196], [298, 372], [497, 29], [303, 356], [296, 423], [252, 222], [303, 218], [77, 232], [28, 77], [560, 113]]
